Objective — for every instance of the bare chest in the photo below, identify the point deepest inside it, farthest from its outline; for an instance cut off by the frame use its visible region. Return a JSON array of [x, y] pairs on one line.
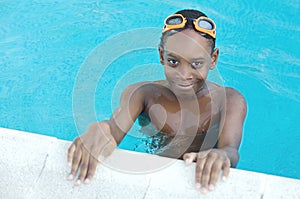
[[173, 118]]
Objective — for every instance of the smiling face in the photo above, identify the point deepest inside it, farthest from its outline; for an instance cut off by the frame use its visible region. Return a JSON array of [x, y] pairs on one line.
[[187, 58]]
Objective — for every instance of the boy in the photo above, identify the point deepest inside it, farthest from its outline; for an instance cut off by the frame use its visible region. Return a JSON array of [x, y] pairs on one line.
[[202, 120]]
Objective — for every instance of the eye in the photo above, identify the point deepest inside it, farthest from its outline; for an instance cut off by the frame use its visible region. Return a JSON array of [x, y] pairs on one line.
[[173, 62], [196, 64]]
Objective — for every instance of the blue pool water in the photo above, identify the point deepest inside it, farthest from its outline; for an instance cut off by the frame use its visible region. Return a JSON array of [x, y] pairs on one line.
[[44, 45]]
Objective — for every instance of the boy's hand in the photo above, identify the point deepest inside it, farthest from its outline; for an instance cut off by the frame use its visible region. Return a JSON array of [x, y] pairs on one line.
[[208, 167], [86, 149]]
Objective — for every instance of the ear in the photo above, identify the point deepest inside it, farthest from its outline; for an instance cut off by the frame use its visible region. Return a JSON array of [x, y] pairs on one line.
[[214, 59], [161, 54]]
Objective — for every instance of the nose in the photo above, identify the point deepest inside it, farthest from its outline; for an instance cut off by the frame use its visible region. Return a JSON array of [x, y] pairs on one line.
[[186, 73]]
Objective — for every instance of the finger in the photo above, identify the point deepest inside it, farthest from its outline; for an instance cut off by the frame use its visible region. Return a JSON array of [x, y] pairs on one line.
[[75, 163], [203, 154], [215, 172], [226, 170], [207, 171], [189, 158], [199, 169], [83, 167], [71, 153], [93, 162]]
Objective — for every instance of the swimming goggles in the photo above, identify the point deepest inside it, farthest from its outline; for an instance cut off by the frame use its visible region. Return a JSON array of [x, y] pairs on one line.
[[201, 24]]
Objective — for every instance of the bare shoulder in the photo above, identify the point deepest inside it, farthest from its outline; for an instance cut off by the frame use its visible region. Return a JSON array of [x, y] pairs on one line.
[[227, 97], [135, 86], [133, 91], [232, 94], [142, 88], [235, 100]]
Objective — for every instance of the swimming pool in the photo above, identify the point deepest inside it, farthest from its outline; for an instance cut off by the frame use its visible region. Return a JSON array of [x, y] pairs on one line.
[[45, 44]]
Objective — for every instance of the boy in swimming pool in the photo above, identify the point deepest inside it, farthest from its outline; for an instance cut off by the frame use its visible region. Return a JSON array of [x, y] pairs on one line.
[[204, 120]]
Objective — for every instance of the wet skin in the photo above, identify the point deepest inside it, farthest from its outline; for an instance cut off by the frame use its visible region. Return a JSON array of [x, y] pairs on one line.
[[185, 105]]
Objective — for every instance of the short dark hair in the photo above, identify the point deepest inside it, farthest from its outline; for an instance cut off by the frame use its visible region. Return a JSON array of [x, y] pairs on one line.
[[189, 14]]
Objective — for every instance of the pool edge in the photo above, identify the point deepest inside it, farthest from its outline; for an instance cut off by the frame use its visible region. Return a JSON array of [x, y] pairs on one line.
[[35, 166]]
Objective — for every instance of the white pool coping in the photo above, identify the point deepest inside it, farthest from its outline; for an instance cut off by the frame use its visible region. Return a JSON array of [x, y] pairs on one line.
[[35, 166]]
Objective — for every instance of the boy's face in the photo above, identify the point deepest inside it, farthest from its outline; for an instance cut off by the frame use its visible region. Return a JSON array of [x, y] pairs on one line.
[[187, 58]]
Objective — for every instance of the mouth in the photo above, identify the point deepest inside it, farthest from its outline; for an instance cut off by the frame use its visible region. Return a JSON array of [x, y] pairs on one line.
[[185, 86]]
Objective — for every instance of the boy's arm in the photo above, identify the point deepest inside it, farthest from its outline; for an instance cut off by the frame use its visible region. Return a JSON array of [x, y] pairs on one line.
[[131, 106], [211, 162], [232, 121], [101, 138]]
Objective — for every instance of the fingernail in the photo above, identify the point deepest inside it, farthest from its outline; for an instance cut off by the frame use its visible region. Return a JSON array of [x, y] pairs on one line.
[[78, 182], [203, 190], [70, 177], [70, 164], [211, 187], [224, 178], [87, 181], [198, 186]]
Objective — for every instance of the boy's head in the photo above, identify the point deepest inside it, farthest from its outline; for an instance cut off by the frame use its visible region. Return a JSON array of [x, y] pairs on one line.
[[190, 16], [187, 50]]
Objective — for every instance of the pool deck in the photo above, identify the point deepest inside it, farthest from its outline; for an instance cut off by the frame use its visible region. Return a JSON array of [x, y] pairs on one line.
[[35, 166]]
